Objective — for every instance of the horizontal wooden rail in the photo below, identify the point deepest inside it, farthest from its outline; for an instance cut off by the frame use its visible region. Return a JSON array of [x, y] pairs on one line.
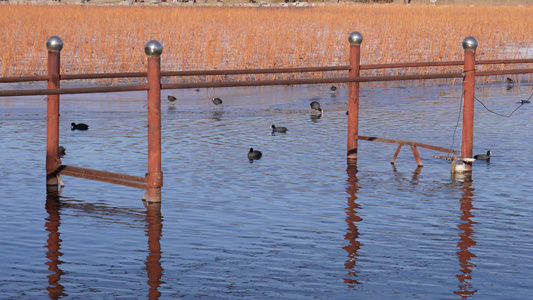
[[504, 72], [404, 142], [115, 178], [307, 81], [102, 75], [128, 88], [261, 71], [255, 71], [443, 64], [85, 90], [23, 78]]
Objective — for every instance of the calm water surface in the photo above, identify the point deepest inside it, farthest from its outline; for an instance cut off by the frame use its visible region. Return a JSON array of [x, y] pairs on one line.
[[296, 224]]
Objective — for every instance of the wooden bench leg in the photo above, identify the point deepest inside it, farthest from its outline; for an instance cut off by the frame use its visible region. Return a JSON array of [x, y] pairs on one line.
[[417, 156], [396, 154]]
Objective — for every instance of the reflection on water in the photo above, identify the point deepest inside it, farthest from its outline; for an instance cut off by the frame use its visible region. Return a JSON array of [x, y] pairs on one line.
[[466, 235], [154, 230], [352, 233], [289, 226], [53, 246], [153, 227]]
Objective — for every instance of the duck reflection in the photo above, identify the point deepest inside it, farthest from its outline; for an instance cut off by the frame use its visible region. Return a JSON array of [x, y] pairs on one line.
[[154, 229], [352, 232], [315, 117], [53, 245], [466, 241], [217, 115]]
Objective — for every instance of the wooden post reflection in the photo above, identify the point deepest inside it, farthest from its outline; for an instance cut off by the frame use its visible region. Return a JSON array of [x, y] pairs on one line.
[[352, 232], [466, 235], [55, 289], [154, 228]]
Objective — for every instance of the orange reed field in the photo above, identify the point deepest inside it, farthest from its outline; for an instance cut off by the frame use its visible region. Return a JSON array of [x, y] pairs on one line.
[[112, 38]]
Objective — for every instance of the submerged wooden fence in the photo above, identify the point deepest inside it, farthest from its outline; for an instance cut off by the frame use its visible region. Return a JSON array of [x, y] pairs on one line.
[[153, 180]]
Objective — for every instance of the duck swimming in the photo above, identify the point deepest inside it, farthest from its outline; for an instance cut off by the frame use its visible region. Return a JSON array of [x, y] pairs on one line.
[[216, 100], [79, 126], [483, 156], [254, 154], [278, 128], [316, 106]]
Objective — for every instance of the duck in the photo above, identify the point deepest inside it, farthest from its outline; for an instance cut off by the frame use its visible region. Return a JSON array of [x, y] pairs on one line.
[[216, 100], [510, 80], [79, 126], [278, 128], [524, 101], [61, 151], [171, 99], [254, 154], [483, 156], [316, 106], [333, 88]]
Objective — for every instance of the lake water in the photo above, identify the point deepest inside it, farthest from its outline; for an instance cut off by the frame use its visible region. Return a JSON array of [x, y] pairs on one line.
[[296, 224]]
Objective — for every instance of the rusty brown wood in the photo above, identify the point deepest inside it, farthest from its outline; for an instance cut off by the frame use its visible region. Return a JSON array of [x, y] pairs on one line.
[[98, 173], [353, 104], [396, 154], [272, 70], [254, 71], [101, 176], [24, 78], [404, 142], [306, 81], [417, 156], [87, 90], [504, 72], [154, 177], [467, 137], [411, 65], [103, 75], [52, 119], [504, 61]]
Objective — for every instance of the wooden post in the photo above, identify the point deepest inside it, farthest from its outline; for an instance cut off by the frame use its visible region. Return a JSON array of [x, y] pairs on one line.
[[469, 45], [154, 177], [355, 40], [54, 44]]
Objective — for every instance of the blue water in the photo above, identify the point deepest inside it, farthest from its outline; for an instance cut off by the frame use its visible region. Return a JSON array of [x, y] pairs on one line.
[[296, 224]]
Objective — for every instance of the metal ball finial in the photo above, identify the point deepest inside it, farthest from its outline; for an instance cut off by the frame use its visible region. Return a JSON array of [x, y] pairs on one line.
[[355, 38], [153, 48], [470, 43], [54, 43]]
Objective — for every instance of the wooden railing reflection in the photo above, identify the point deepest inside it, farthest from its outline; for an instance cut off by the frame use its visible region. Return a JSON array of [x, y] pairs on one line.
[[53, 245], [153, 266], [154, 229], [466, 241], [352, 233]]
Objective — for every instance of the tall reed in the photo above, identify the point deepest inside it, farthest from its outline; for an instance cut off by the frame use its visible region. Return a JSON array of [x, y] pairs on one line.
[[112, 38]]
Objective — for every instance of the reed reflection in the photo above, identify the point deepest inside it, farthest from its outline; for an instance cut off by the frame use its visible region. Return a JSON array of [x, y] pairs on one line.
[[466, 241], [53, 245], [352, 233], [154, 229]]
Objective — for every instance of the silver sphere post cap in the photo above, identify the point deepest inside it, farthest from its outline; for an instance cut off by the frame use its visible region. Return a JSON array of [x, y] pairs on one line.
[[153, 48], [470, 43], [54, 43], [355, 38]]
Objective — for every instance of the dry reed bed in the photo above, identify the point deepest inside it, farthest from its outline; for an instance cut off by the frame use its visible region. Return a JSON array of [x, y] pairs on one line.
[[112, 38]]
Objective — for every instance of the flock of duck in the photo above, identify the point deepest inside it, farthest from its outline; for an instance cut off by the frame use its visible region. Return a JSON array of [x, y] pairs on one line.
[[256, 154]]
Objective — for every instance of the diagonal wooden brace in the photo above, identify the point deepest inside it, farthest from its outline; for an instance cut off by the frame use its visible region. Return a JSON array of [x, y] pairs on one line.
[[417, 156]]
